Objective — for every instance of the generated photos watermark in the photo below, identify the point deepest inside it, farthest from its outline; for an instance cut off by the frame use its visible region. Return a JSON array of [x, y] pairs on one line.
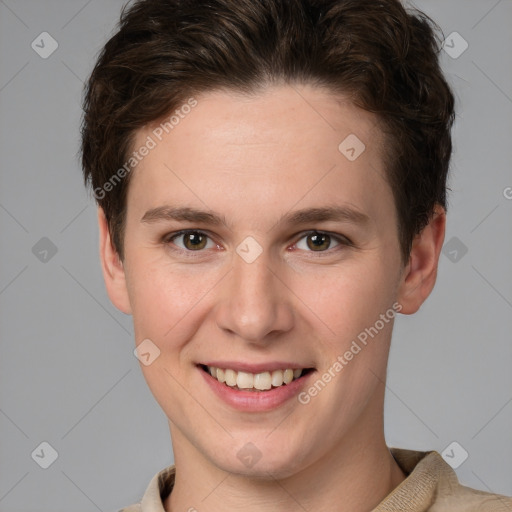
[[343, 360], [151, 142]]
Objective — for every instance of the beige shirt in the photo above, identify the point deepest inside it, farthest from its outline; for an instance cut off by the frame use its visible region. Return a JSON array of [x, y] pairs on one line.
[[431, 485]]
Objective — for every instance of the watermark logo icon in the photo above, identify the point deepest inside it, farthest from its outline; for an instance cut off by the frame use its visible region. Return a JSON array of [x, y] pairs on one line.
[[146, 352], [44, 45], [454, 249], [44, 455], [249, 249], [455, 45], [351, 147], [249, 455], [44, 250], [454, 454]]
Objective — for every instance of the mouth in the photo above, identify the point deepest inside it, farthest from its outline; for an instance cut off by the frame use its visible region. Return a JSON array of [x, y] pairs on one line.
[[263, 381]]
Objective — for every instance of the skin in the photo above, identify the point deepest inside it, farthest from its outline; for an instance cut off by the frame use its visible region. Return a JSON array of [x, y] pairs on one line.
[[253, 159]]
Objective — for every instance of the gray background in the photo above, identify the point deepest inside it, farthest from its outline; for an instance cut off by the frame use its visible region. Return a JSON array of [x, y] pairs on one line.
[[67, 372]]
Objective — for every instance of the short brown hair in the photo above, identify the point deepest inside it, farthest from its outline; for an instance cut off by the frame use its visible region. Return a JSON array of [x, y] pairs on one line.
[[384, 57]]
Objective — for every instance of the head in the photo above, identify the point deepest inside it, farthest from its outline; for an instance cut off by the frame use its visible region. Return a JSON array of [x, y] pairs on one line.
[[314, 137]]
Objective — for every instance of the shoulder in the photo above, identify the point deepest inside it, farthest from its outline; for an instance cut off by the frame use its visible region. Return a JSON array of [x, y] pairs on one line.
[[432, 482], [459, 498]]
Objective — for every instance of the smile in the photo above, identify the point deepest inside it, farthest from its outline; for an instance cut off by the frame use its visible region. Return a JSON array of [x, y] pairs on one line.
[[262, 381]]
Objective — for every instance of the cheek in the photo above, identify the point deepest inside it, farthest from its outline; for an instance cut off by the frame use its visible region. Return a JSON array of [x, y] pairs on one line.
[[160, 297], [346, 299], [170, 303]]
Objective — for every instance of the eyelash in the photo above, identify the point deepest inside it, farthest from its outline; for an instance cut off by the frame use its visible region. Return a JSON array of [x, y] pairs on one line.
[[343, 241]]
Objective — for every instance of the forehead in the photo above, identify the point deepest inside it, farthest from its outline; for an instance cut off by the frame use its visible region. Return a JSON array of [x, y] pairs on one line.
[[270, 149], [271, 115]]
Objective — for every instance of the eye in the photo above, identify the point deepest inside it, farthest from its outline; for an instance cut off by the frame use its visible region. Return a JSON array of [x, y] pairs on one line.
[[318, 241], [193, 240]]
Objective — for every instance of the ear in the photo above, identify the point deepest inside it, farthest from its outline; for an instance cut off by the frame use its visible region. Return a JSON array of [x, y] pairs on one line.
[[112, 267], [420, 273]]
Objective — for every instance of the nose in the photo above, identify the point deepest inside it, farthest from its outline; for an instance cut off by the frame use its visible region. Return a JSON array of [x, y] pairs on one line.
[[256, 304]]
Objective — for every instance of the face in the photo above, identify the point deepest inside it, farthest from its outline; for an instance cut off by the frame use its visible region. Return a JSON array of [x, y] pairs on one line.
[[258, 249]]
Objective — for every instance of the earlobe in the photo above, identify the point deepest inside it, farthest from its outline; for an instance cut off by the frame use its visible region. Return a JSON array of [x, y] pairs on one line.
[[112, 267], [420, 272]]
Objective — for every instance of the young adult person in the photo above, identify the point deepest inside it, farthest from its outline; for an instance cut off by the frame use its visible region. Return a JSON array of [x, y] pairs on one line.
[[271, 187]]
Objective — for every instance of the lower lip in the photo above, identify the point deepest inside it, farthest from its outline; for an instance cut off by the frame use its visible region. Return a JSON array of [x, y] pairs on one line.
[[255, 401]]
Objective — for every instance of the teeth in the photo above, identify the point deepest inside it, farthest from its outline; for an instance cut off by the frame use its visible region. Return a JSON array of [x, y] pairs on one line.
[[221, 375], [259, 381], [245, 380], [277, 378], [262, 381], [230, 377], [287, 376]]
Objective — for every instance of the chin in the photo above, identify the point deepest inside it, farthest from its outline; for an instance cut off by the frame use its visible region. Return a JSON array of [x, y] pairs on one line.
[[269, 463]]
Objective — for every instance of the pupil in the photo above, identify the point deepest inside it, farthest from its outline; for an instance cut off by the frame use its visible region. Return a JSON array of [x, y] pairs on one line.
[[319, 240], [194, 239]]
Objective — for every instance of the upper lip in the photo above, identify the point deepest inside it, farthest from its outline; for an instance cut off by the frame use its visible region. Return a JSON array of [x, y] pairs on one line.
[[240, 366]]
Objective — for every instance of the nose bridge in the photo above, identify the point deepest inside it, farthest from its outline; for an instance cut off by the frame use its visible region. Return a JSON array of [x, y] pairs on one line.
[[255, 303], [253, 281]]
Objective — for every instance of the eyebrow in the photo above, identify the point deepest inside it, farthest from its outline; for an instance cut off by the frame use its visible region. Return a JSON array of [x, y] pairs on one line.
[[304, 216], [165, 213]]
